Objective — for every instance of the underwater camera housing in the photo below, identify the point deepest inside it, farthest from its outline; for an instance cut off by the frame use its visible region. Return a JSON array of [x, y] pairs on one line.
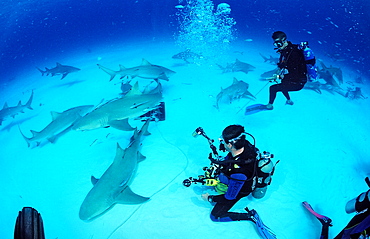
[[210, 172]]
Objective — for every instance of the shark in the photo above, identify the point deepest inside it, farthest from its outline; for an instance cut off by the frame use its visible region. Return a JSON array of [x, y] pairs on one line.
[[334, 71], [61, 122], [270, 75], [59, 69], [328, 77], [117, 112], [237, 66], [14, 110], [146, 70], [188, 56], [238, 89], [114, 185], [271, 60], [315, 86]]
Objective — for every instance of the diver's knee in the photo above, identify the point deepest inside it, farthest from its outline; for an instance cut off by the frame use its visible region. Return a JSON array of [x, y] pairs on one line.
[[259, 193], [359, 204]]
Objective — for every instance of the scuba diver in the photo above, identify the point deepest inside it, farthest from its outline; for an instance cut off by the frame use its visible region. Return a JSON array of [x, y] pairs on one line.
[[242, 172], [358, 227], [292, 64]]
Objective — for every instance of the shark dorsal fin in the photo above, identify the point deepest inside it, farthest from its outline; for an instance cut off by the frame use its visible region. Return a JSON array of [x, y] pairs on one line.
[[5, 105], [119, 153], [58, 64], [134, 90], [145, 62], [94, 180], [54, 115], [122, 68], [34, 133], [235, 81], [19, 103], [157, 89]]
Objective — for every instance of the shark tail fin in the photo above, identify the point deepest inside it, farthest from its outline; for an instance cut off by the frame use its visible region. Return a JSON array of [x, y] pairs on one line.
[[29, 102], [42, 72], [110, 72], [28, 141]]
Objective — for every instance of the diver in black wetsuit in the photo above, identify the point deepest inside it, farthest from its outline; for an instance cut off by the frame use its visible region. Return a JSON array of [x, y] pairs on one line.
[[293, 69], [240, 171]]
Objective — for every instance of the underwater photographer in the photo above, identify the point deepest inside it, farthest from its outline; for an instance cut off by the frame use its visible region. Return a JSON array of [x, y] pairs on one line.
[[243, 171]]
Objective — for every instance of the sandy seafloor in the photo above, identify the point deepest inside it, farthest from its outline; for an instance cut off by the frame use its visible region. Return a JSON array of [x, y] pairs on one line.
[[322, 143]]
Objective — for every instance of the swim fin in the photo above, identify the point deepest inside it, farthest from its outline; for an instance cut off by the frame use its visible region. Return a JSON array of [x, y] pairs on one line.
[[263, 230], [252, 109], [323, 219]]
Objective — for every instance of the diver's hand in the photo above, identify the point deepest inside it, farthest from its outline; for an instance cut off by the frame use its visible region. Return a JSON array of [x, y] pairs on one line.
[[205, 196]]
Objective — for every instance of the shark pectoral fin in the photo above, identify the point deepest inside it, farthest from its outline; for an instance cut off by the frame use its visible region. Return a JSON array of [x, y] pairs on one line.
[[140, 157], [121, 125], [94, 180], [51, 139], [64, 75], [163, 76], [129, 197]]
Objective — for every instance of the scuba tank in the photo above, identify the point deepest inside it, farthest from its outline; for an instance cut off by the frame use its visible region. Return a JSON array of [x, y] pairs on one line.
[[309, 57]]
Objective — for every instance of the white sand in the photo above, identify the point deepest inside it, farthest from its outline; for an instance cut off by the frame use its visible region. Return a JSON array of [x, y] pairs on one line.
[[321, 142]]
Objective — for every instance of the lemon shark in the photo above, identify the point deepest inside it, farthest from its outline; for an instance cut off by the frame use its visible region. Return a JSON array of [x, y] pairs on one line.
[[113, 186], [145, 70], [59, 69], [14, 110], [237, 66], [117, 112], [334, 71], [238, 89], [61, 122]]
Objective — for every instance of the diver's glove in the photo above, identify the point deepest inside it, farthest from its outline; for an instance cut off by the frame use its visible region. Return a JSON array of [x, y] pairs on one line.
[[211, 182]]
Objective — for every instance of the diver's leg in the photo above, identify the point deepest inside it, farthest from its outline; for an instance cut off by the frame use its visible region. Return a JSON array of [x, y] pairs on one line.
[[220, 212], [290, 87], [273, 90]]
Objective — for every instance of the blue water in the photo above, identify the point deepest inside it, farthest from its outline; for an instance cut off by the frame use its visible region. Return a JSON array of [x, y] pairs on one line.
[[322, 147], [34, 31]]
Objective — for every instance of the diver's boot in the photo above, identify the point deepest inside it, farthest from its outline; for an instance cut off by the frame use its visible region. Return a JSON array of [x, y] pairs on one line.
[[289, 102], [269, 106]]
